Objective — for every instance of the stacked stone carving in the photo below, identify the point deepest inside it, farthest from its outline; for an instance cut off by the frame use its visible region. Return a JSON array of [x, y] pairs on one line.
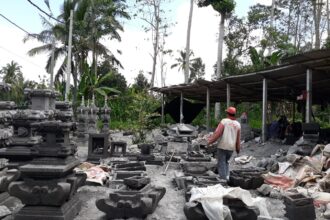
[[105, 117], [6, 110], [49, 184], [18, 147], [82, 116], [6, 177], [63, 111], [92, 117], [132, 202]]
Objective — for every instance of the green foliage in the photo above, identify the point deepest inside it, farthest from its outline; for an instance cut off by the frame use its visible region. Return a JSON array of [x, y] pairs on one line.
[[224, 7], [91, 84], [115, 79], [140, 82], [196, 65], [11, 74], [221, 6], [134, 110]]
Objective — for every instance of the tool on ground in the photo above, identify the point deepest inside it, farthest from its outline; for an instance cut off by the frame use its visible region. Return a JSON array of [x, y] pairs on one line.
[[168, 163]]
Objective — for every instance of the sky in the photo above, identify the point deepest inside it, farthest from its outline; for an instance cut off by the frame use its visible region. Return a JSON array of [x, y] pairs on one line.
[[135, 48]]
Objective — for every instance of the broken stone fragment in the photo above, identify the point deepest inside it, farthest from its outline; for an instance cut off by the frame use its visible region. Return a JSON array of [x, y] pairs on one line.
[[275, 194], [265, 189], [4, 211], [326, 214]]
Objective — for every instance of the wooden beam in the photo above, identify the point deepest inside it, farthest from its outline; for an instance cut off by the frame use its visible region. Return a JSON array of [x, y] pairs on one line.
[[264, 110], [163, 118], [181, 108], [208, 118], [228, 95], [309, 95]]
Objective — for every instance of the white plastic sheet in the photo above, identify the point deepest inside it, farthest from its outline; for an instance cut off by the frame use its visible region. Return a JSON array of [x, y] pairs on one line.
[[211, 198]]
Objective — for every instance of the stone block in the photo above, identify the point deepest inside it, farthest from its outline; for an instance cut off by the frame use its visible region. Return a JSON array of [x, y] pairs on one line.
[[127, 204], [126, 174], [298, 206], [247, 178], [137, 182], [194, 170], [146, 148], [67, 211], [98, 147], [209, 181], [118, 148], [155, 162], [194, 211], [239, 211], [131, 166]]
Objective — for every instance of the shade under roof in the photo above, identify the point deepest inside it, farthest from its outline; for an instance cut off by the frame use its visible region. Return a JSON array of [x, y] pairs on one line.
[[285, 82]]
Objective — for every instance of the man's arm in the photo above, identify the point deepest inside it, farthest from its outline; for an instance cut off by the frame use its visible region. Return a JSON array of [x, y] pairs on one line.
[[238, 141], [218, 132]]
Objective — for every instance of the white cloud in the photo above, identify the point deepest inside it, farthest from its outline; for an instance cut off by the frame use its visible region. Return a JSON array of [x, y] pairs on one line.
[[136, 50], [13, 48]]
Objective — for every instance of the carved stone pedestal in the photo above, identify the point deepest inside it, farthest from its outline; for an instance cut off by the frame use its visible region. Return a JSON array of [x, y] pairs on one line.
[[18, 149], [127, 204], [49, 184], [67, 211]]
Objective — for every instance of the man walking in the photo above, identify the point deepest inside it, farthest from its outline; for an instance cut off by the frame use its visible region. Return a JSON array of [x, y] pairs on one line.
[[229, 130]]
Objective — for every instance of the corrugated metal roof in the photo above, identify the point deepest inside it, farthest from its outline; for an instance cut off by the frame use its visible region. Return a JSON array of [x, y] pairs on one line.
[[285, 82]]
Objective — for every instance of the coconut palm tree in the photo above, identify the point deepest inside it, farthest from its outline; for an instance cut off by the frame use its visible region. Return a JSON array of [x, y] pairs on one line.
[[99, 15], [225, 8], [11, 72], [186, 71], [195, 65]]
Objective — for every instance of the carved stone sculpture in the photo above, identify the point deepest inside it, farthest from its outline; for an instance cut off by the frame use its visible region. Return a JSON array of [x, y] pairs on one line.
[[127, 204], [105, 116], [92, 117], [82, 118], [49, 184]]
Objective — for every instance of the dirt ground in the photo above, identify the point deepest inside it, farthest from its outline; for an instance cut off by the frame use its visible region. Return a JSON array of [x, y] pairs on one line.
[[171, 206]]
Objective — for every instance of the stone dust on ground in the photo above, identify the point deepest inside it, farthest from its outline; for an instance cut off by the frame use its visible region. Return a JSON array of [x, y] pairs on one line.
[[171, 206]]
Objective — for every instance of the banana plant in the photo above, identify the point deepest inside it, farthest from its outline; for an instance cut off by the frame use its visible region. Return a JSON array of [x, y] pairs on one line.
[[92, 84]]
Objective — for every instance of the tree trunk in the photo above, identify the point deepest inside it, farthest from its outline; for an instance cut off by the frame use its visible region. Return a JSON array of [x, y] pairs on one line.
[[155, 43], [271, 28], [220, 45], [317, 9], [94, 40], [328, 23], [289, 19], [75, 89], [186, 68], [297, 26], [217, 106]]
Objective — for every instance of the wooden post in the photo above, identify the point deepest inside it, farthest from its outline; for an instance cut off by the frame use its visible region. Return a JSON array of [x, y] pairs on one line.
[[293, 111], [52, 65], [264, 110], [68, 67], [181, 108], [207, 109], [162, 119], [228, 95], [308, 95]]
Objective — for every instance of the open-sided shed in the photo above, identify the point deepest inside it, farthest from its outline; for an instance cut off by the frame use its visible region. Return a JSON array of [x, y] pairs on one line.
[[306, 73]]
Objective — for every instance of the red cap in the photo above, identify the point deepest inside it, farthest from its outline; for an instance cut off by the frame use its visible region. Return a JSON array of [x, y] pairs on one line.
[[231, 110]]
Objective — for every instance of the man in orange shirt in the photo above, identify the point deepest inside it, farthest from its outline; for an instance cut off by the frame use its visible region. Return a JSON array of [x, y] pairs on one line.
[[229, 132]]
